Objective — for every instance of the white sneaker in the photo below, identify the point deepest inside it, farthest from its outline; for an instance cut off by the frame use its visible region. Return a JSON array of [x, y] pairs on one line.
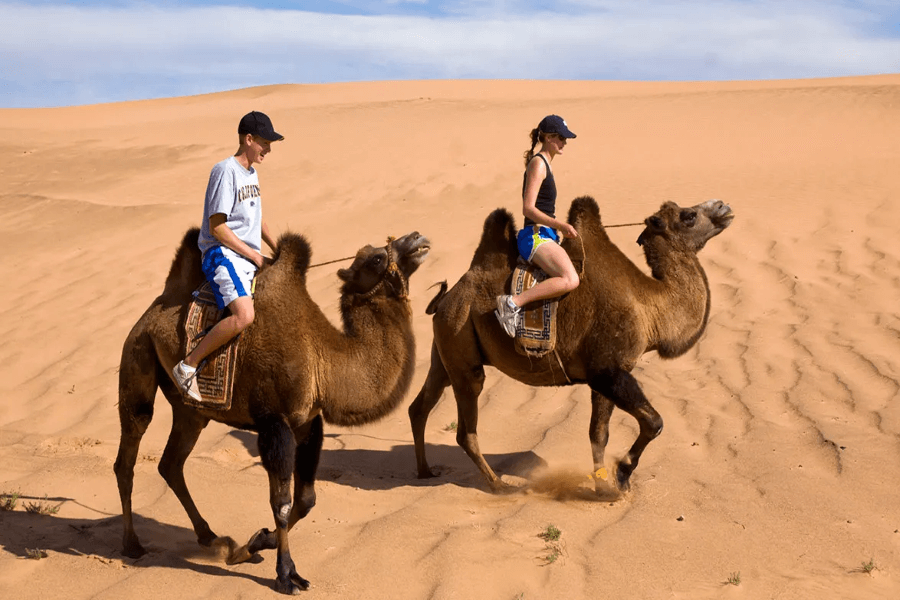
[[186, 378], [508, 314]]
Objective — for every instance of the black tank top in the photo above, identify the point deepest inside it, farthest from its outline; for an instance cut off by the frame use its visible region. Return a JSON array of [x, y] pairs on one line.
[[546, 198]]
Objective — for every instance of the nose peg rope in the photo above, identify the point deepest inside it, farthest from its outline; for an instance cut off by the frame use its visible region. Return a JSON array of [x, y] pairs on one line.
[[391, 238]]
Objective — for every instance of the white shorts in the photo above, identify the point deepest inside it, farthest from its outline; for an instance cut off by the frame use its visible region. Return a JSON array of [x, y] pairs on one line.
[[229, 274]]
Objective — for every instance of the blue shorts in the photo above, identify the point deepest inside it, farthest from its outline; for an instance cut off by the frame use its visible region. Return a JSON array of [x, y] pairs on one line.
[[529, 238], [229, 274]]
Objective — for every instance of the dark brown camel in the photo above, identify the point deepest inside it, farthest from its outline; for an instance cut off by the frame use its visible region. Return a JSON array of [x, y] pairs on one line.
[[614, 316], [295, 369]]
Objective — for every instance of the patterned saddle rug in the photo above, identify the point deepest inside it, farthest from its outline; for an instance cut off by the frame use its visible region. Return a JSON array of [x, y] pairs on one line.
[[215, 375], [536, 331]]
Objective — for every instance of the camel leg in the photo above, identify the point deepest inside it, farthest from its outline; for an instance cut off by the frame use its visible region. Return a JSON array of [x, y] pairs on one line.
[[622, 388], [422, 406], [306, 463], [467, 391], [462, 362], [186, 429], [601, 411], [277, 450], [137, 391]]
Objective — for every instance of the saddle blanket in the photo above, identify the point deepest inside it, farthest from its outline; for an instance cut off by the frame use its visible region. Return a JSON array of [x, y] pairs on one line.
[[536, 331], [215, 375]]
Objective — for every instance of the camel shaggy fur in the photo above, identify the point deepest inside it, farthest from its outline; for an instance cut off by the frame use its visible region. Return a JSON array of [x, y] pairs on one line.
[[294, 370], [617, 314]]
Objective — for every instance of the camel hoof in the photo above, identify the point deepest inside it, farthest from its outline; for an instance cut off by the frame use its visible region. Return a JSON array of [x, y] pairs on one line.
[[207, 539], [249, 552], [303, 584], [291, 586], [623, 477], [501, 488], [262, 540], [427, 472], [134, 551]]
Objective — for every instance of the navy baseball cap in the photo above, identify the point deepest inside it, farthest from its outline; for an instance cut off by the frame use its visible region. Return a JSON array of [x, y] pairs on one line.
[[555, 124], [257, 123]]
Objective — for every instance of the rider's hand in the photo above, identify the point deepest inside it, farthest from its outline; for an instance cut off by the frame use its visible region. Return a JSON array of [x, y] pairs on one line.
[[568, 231]]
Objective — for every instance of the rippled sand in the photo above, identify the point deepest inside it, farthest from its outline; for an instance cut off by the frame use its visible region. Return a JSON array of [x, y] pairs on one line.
[[779, 459]]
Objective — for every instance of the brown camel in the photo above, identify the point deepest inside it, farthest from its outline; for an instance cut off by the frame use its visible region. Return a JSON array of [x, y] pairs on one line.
[[294, 370], [614, 316]]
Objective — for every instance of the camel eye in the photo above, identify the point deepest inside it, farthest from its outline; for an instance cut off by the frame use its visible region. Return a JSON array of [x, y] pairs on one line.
[[688, 217]]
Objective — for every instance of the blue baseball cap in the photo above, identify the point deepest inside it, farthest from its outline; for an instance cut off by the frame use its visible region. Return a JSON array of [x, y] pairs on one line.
[[555, 124]]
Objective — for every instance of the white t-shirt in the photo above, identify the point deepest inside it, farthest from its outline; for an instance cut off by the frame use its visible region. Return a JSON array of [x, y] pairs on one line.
[[234, 192]]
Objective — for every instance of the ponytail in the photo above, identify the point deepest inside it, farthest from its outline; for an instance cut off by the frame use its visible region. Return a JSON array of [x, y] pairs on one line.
[[535, 135]]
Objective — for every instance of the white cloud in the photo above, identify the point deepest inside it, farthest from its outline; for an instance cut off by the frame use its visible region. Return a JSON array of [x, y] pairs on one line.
[[65, 54]]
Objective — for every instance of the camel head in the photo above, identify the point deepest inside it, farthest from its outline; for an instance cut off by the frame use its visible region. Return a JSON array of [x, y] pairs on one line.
[[688, 228], [390, 265]]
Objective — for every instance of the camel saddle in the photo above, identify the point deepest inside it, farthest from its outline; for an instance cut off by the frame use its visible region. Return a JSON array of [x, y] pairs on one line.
[[536, 331], [215, 375]]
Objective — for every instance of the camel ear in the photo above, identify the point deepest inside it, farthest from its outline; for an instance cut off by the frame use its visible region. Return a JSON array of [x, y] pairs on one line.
[[653, 223], [345, 274]]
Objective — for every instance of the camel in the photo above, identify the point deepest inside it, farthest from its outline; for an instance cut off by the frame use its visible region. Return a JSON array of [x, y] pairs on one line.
[[617, 314], [294, 371]]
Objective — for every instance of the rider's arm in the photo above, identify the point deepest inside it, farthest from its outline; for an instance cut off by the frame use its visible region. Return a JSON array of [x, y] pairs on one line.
[[268, 239], [534, 177], [223, 233]]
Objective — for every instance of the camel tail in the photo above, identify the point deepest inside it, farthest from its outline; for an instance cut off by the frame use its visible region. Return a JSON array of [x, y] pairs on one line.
[[185, 271], [293, 250], [433, 305]]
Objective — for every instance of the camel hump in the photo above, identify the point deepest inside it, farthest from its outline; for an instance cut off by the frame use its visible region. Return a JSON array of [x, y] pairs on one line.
[[498, 240], [583, 212], [499, 224], [293, 251], [185, 270]]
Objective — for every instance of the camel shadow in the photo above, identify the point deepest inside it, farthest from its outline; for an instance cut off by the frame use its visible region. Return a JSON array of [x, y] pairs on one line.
[[23, 533], [390, 469]]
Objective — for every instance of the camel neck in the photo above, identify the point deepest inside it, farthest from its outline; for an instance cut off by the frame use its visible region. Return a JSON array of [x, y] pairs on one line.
[[681, 308], [372, 364]]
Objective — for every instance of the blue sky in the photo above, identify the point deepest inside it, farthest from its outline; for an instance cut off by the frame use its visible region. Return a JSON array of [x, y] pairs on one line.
[[60, 53]]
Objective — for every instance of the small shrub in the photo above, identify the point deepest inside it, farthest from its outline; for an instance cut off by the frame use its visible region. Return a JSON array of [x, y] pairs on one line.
[[8, 501], [734, 578], [42, 508], [451, 426], [35, 553], [551, 534], [868, 567]]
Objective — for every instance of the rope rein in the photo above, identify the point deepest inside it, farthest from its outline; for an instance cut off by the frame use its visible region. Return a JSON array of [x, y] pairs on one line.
[[624, 225], [331, 261], [328, 262]]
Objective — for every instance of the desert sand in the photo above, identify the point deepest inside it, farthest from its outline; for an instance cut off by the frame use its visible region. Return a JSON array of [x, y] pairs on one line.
[[775, 475]]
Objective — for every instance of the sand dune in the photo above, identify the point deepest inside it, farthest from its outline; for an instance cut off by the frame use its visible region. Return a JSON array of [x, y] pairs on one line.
[[781, 448]]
